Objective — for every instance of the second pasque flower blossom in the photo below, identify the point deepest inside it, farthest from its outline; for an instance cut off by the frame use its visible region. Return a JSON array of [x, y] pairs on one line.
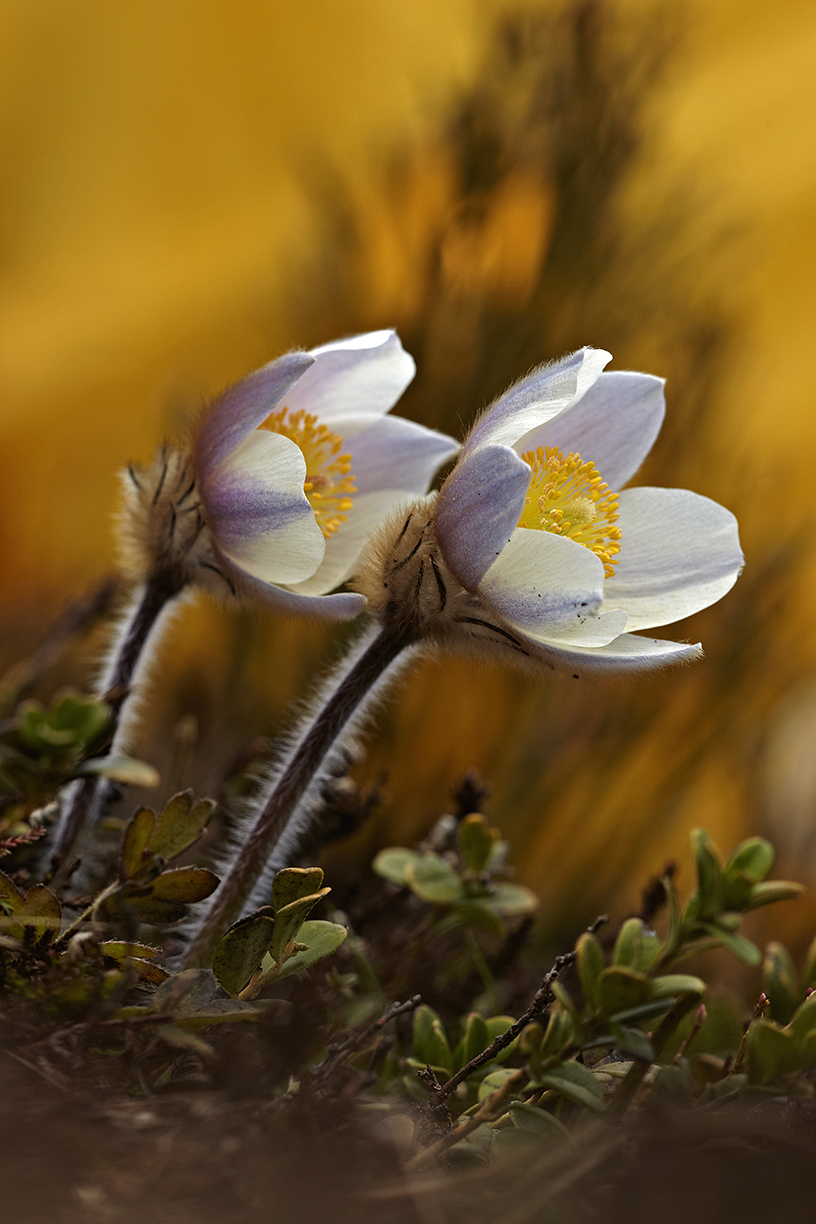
[[533, 548]]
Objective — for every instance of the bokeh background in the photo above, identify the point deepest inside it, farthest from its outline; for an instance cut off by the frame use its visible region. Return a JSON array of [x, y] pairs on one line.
[[191, 187]]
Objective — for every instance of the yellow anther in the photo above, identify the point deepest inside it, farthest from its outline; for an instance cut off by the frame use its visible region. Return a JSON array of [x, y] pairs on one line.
[[328, 480], [568, 496]]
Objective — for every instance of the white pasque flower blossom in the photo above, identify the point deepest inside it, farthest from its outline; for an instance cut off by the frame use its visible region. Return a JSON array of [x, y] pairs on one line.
[[533, 548], [289, 472]]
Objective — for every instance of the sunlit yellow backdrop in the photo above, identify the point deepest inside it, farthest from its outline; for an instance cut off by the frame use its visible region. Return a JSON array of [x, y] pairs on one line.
[[158, 234]]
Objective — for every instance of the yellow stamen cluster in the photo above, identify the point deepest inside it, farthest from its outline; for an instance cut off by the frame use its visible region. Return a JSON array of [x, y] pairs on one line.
[[328, 473], [568, 497]]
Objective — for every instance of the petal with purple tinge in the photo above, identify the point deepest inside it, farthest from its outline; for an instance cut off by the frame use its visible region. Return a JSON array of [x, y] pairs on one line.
[[258, 513], [627, 653], [679, 553], [539, 397], [614, 425], [362, 375], [343, 606], [242, 407], [478, 509], [343, 547], [546, 585], [397, 454]]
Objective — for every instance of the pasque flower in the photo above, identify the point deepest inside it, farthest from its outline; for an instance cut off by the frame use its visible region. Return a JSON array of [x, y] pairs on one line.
[[533, 549], [289, 472]]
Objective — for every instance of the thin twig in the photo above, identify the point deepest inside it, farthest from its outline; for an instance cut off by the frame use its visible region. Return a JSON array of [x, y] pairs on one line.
[[343, 1047], [490, 1108], [542, 1000]]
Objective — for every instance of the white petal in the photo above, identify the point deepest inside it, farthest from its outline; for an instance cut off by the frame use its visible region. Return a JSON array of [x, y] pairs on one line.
[[539, 397], [614, 425], [291, 603], [362, 375], [597, 629], [241, 408], [679, 552], [343, 547], [627, 653], [478, 508], [397, 454], [259, 515], [545, 585]]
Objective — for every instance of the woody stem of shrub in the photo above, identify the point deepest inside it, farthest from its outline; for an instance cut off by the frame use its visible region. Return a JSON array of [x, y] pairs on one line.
[[136, 637], [320, 738]]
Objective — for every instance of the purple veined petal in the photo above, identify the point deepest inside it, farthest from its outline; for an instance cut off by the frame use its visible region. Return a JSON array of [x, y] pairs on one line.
[[614, 425], [546, 585], [362, 375], [627, 653], [393, 453], [242, 407], [343, 547], [679, 553], [538, 398], [478, 509], [343, 606], [258, 513]]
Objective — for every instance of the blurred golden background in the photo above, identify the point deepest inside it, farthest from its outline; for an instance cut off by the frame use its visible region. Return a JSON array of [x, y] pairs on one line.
[[191, 187]]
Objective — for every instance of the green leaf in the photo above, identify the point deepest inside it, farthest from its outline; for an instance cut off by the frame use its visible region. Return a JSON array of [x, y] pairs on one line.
[[11, 899], [774, 890], [591, 965], [185, 884], [620, 987], [494, 1081], [535, 1121], [754, 858], [321, 939], [677, 984], [124, 769], [709, 875], [809, 972], [779, 982], [633, 1042], [119, 950], [430, 1043], [497, 1025], [288, 922], [294, 883], [42, 912], [240, 952], [803, 1021], [510, 900], [433, 879], [478, 914], [393, 862], [476, 841], [137, 835], [635, 1015], [770, 1050], [180, 825], [474, 1040], [87, 717], [576, 1083], [738, 944]]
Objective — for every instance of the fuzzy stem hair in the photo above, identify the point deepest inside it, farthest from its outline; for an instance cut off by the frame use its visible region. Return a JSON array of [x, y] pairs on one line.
[[286, 805], [123, 674]]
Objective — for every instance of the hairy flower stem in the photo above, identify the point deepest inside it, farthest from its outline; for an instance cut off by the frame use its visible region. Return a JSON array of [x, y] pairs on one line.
[[281, 806], [128, 656]]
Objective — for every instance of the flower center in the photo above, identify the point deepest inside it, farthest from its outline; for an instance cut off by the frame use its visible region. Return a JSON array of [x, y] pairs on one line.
[[568, 496], [328, 480]]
